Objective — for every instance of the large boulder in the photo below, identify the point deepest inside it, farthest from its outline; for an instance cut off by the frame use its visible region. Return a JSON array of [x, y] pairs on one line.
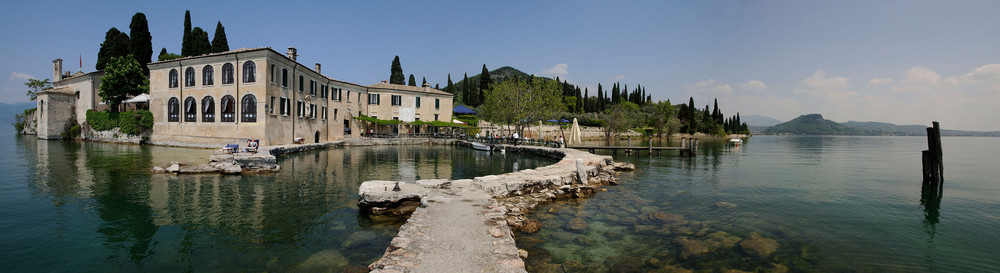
[[531, 226]]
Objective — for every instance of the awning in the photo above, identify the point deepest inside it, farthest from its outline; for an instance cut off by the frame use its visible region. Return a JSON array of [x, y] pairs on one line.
[[139, 98], [461, 109], [457, 121]]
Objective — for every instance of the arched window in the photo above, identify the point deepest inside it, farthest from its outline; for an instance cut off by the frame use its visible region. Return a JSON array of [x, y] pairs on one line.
[[173, 108], [227, 73], [207, 75], [228, 105], [208, 109], [173, 79], [190, 110], [249, 112], [249, 70], [189, 76]]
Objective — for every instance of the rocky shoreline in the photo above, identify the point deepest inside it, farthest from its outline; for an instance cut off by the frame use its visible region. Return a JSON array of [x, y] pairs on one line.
[[498, 205]]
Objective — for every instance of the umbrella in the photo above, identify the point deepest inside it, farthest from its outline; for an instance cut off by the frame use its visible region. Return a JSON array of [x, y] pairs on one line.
[[461, 109]]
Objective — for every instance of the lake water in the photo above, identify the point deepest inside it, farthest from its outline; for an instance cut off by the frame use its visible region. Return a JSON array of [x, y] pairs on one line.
[[831, 204], [95, 207]]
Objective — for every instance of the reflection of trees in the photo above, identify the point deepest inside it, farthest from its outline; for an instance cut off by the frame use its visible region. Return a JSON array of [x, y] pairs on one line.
[[121, 188]]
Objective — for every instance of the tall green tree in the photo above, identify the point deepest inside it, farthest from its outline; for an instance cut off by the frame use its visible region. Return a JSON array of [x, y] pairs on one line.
[[448, 88], [140, 42], [123, 77], [219, 42], [485, 79], [186, 41], [162, 52], [518, 102], [600, 99], [199, 42], [396, 72], [425, 81], [413, 81], [465, 89], [35, 86], [116, 44]]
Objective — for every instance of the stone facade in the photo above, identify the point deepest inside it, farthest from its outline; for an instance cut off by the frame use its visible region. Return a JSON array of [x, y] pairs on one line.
[[258, 93], [70, 98], [56, 108]]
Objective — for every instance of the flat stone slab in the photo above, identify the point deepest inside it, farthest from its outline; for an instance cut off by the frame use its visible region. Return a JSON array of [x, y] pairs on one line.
[[378, 193]]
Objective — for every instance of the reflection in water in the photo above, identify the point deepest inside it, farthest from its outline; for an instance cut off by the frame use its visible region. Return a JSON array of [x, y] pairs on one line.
[[930, 199], [302, 218]]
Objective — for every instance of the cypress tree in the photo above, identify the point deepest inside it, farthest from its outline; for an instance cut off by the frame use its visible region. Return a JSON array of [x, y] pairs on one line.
[[425, 82], [219, 42], [586, 101], [162, 52], [579, 101], [690, 116], [448, 88], [140, 41], [437, 86], [186, 41], [396, 72], [116, 44], [615, 96], [199, 43], [465, 90], [413, 81], [485, 80], [600, 98]]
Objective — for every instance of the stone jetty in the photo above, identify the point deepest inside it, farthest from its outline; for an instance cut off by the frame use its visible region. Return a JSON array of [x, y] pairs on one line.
[[466, 225], [262, 161]]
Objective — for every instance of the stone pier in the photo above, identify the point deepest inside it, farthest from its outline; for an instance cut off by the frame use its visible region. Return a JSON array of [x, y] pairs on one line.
[[466, 225]]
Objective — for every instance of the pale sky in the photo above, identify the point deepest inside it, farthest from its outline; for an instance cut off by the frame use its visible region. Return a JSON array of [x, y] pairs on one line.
[[904, 62]]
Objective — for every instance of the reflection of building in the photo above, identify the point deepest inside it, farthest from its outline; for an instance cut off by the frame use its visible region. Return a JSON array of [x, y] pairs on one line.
[[68, 100], [258, 93]]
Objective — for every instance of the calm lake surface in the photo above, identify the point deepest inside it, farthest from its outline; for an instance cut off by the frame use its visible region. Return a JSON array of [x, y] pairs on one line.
[[829, 203], [832, 204], [95, 207]]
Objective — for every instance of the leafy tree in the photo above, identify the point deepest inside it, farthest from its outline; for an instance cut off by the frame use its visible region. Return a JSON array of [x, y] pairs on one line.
[[396, 72], [518, 102], [413, 81], [219, 42], [123, 77], [199, 42], [619, 118], [141, 42], [35, 86], [186, 41], [164, 55], [116, 44]]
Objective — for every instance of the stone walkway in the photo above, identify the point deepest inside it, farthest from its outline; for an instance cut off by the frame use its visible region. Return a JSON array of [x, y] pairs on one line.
[[465, 225]]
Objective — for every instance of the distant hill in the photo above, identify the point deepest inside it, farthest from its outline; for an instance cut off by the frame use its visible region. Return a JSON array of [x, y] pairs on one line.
[[814, 124], [497, 75], [811, 124], [8, 110], [758, 120]]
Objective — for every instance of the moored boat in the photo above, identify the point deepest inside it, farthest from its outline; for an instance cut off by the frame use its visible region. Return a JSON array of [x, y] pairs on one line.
[[480, 146]]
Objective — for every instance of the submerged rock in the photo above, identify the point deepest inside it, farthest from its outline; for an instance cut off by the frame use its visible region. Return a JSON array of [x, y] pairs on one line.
[[530, 226], [758, 246], [664, 217], [577, 224], [721, 239], [323, 261], [573, 266], [724, 205], [691, 248]]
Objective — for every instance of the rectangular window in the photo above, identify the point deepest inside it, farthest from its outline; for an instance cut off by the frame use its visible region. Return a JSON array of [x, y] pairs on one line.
[[312, 110], [312, 87], [437, 104], [271, 111], [323, 113], [283, 107], [322, 91], [397, 100], [302, 86], [418, 102], [284, 77], [288, 107], [435, 117], [335, 113], [300, 108], [273, 78]]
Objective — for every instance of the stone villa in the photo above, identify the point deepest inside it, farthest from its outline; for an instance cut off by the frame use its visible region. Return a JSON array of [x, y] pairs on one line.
[[251, 93]]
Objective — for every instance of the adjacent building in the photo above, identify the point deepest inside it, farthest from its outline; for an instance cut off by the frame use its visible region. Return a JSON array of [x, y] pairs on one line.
[[258, 93], [67, 102]]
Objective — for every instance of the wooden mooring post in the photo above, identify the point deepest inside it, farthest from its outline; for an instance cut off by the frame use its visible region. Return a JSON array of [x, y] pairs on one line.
[[933, 166]]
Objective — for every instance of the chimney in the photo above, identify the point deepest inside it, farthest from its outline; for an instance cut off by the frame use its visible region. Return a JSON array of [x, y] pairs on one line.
[[427, 87], [385, 81], [292, 53], [317, 69], [57, 70]]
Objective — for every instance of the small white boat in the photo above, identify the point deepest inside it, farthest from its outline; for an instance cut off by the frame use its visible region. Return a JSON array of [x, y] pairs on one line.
[[736, 141], [480, 146]]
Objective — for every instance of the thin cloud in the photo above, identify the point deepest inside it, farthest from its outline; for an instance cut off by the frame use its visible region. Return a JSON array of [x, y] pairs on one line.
[[709, 86], [15, 76], [753, 85], [879, 81], [618, 78], [560, 70], [826, 88]]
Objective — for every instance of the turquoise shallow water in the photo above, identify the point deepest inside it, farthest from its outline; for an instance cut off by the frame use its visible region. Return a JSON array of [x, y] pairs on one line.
[[95, 207], [831, 204]]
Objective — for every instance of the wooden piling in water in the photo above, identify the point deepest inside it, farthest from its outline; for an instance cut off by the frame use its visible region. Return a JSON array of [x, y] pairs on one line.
[[933, 166]]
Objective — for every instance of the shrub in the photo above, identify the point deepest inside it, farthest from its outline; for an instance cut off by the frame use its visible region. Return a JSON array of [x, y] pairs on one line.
[[20, 120], [131, 122]]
